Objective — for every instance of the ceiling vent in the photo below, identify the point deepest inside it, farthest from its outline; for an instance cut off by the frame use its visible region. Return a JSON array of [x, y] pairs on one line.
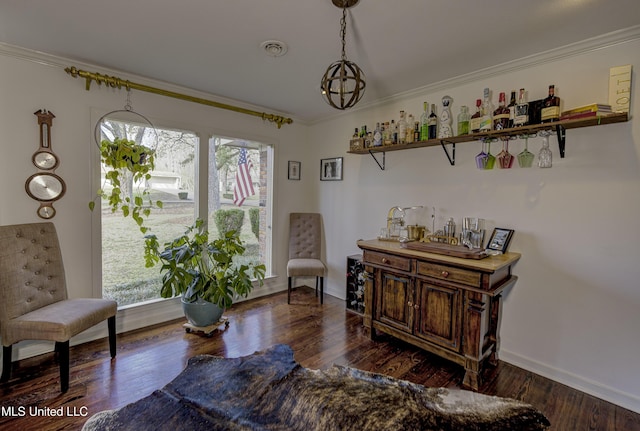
[[274, 48]]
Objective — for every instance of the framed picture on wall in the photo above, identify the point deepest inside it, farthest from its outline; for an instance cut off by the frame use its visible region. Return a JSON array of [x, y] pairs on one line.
[[294, 170], [331, 169], [500, 239]]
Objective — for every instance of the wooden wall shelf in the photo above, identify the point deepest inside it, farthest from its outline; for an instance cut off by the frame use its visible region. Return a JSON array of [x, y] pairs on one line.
[[558, 127]]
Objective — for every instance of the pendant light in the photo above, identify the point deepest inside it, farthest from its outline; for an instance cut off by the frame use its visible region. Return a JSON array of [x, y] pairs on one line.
[[343, 83]]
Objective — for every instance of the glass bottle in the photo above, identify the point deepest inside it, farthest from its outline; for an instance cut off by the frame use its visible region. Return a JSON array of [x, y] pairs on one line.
[[393, 132], [522, 110], [551, 107], [463, 120], [525, 158], [474, 123], [486, 124], [377, 136], [501, 114], [432, 124], [402, 128], [409, 129], [416, 131], [545, 155], [424, 123], [512, 108], [356, 135], [386, 133]]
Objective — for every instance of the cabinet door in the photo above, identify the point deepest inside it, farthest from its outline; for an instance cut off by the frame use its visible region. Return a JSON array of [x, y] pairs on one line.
[[438, 314], [394, 298]]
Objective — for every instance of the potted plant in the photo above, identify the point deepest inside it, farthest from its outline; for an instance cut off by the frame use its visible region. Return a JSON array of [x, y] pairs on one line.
[[206, 274], [119, 156]]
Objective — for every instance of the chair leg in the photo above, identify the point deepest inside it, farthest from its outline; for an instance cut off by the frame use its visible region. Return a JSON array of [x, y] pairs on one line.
[[62, 347], [317, 287], [289, 291], [6, 363], [321, 290], [111, 323]]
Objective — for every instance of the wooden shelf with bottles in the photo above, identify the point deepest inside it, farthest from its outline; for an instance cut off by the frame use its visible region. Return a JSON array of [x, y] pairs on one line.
[[558, 127]]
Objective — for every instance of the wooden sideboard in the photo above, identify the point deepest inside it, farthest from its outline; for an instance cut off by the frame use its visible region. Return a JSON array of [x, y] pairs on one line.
[[446, 305]]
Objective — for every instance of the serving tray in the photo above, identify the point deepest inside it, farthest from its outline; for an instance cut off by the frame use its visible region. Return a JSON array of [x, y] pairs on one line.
[[446, 249]]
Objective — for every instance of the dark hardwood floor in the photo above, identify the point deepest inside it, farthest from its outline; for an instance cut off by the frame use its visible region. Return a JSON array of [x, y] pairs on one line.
[[319, 335]]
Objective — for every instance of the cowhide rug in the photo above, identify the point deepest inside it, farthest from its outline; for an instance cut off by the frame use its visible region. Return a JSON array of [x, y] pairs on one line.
[[270, 391]]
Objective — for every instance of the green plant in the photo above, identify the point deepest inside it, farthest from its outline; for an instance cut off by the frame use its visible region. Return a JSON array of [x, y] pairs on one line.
[[196, 268], [119, 157], [254, 218], [227, 220]]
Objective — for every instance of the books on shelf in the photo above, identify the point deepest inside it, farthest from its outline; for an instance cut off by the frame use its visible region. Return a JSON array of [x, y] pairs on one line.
[[591, 110], [592, 107]]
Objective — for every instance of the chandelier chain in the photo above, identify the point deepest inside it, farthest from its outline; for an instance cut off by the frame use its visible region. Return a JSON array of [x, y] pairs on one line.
[[343, 30]]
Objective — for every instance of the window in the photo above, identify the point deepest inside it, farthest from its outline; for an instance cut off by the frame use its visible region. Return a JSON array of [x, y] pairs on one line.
[[241, 169], [175, 181], [124, 275]]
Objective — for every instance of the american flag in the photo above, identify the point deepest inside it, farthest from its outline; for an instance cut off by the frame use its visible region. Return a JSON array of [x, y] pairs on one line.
[[244, 186]]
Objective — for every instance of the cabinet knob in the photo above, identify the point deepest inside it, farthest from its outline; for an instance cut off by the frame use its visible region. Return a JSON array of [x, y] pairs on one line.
[[445, 274], [410, 304], [416, 306], [385, 260]]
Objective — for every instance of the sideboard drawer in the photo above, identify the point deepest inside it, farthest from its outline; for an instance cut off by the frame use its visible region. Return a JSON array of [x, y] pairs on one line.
[[443, 272], [389, 260]]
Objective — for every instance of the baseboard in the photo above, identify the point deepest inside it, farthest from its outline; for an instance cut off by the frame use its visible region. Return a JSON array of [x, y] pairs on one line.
[[574, 381]]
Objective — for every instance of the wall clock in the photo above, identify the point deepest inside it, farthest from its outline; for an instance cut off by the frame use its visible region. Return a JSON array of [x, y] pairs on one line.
[[45, 186]]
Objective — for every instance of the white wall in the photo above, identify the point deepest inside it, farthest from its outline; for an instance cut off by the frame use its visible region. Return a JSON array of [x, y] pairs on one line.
[[573, 315]]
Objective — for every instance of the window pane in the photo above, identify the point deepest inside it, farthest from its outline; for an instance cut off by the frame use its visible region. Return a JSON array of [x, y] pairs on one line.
[[124, 276], [240, 194]]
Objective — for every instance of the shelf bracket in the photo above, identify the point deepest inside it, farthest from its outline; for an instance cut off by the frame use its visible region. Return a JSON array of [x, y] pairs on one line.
[[562, 137], [452, 156], [381, 166]]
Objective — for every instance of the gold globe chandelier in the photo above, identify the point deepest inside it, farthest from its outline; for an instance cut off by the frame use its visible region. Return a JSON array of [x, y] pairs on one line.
[[343, 83]]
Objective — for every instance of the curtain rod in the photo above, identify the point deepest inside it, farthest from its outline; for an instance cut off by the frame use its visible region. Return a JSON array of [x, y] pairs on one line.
[[114, 81]]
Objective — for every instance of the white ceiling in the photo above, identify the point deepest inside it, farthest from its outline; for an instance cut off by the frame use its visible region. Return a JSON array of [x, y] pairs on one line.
[[214, 45]]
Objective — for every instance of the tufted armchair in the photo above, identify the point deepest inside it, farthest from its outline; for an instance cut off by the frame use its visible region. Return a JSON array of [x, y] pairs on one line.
[[34, 302], [305, 245]]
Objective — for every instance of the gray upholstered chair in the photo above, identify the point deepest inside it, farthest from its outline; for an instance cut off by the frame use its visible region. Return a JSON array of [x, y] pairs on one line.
[[34, 302], [305, 246]]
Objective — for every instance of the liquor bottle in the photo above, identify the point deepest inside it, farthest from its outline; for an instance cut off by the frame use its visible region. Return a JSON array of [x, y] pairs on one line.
[[416, 131], [356, 135], [409, 129], [522, 110], [474, 123], [486, 123], [386, 133], [512, 108], [424, 123], [393, 132], [463, 120], [432, 127], [501, 114], [377, 136], [402, 129], [551, 107]]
